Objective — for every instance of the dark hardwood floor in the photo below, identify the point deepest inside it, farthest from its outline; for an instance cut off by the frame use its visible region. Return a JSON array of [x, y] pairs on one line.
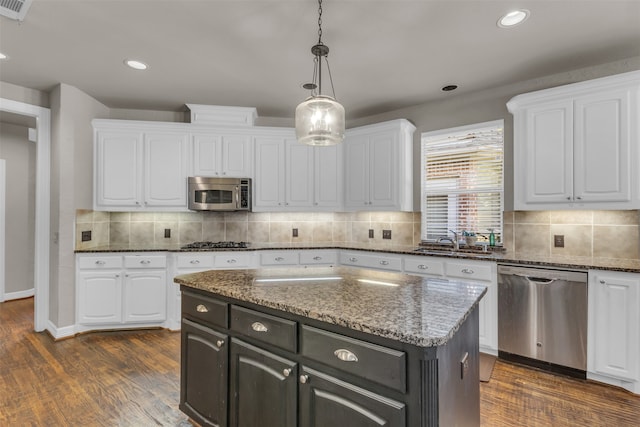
[[132, 378]]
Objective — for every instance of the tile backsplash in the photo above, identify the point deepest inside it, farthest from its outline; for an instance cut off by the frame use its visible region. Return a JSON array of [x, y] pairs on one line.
[[608, 234], [148, 228]]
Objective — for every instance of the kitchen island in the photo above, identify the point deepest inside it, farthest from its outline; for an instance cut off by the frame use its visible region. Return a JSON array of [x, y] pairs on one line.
[[329, 346]]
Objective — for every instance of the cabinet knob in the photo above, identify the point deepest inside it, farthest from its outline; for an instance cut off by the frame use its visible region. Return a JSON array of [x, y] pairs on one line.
[[100, 262], [117, 275], [568, 198], [467, 271], [304, 379], [316, 203], [231, 261], [201, 308], [279, 259], [195, 261], [579, 197], [286, 372], [345, 355], [423, 267], [145, 262], [602, 282], [259, 327], [353, 259], [383, 262], [317, 258], [220, 343]]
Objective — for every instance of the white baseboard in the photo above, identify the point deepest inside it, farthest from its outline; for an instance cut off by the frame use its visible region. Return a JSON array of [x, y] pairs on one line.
[[19, 294], [60, 333]]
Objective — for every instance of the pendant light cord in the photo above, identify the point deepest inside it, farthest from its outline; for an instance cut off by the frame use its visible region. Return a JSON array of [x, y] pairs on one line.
[[319, 21]]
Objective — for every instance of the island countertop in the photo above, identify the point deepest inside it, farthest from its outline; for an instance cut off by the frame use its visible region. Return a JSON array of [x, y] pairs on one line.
[[424, 312]]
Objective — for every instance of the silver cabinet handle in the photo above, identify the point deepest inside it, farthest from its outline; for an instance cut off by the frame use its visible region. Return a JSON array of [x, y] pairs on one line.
[[467, 271], [602, 282], [195, 261], [286, 372], [568, 198], [200, 308], [259, 327], [345, 355], [100, 262], [423, 267], [279, 259], [145, 262], [220, 343], [317, 258], [117, 275], [353, 259], [304, 379], [231, 261], [383, 262], [579, 197]]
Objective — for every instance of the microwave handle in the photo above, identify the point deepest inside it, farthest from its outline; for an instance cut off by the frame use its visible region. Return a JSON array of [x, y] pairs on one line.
[[237, 197]]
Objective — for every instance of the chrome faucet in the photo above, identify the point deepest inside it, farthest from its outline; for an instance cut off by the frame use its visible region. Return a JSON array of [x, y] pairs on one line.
[[454, 241]]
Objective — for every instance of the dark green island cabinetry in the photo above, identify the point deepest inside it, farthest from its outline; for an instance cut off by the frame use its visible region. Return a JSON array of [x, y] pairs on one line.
[[323, 347]]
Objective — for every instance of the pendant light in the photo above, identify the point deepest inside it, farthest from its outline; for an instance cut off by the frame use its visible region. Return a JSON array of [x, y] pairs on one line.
[[319, 118]]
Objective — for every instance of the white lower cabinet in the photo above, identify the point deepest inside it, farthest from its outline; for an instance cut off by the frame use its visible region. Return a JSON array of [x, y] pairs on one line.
[[613, 341], [114, 291], [379, 261]]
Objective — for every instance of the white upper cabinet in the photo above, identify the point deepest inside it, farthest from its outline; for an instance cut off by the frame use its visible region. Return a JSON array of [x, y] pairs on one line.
[[139, 167], [290, 176], [575, 146], [221, 155], [378, 167]]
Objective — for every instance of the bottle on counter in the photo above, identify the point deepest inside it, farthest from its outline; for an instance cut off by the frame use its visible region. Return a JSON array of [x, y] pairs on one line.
[[492, 237]]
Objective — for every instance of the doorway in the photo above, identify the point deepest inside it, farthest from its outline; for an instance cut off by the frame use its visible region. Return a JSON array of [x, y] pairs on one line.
[[42, 137]]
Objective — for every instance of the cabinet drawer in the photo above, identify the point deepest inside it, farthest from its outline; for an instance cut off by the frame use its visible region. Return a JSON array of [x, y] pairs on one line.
[[231, 260], [195, 261], [467, 270], [269, 329], [100, 262], [373, 362], [424, 265], [144, 261], [279, 258], [318, 257], [208, 310], [380, 262]]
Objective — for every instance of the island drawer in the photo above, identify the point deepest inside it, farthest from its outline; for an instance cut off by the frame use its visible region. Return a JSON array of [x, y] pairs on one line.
[[373, 362], [263, 327], [202, 308]]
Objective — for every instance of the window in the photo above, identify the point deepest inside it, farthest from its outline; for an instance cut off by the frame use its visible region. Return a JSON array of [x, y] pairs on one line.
[[462, 181]]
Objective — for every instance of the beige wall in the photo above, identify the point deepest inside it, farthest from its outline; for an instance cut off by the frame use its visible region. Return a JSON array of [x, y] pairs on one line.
[[23, 94], [20, 156]]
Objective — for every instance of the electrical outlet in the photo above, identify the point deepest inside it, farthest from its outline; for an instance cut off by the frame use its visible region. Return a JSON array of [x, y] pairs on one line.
[[371, 233], [295, 232], [386, 234], [558, 240], [167, 233], [86, 236]]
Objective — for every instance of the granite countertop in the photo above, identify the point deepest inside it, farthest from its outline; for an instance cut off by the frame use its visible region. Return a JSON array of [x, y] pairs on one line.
[[410, 309], [615, 264]]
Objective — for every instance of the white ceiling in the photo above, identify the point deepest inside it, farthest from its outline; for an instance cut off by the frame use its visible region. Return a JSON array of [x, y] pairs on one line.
[[385, 54]]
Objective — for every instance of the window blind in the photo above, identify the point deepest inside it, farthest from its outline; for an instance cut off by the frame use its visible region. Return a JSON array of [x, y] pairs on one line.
[[462, 183]]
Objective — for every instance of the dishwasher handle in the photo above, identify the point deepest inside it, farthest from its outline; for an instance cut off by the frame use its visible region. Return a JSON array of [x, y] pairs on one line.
[[541, 280]]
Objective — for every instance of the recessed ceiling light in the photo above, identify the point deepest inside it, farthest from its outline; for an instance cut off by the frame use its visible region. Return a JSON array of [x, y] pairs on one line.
[[3, 56], [514, 18], [136, 65], [449, 88]]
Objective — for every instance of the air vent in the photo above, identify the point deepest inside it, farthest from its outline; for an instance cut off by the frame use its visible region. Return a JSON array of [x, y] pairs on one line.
[[14, 9]]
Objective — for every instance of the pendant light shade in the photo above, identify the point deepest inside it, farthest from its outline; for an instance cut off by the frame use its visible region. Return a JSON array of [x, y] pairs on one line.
[[320, 118], [320, 121]]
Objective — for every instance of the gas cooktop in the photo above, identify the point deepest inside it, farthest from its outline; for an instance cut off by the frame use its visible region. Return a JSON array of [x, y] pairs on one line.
[[216, 245]]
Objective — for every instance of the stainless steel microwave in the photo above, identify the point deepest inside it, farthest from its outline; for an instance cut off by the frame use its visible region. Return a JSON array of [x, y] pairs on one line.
[[219, 194]]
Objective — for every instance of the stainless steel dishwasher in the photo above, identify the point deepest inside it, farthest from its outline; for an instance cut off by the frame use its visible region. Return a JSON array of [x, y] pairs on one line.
[[542, 318]]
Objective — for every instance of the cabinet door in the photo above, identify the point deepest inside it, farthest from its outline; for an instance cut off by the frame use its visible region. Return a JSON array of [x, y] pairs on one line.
[[145, 296], [549, 153], [269, 173], [299, 175], [383, 173], [165, 166], [204, 374], [356, 172], [263, 388], [99, 297], [328, 177], [328, 401], [118, 174], [236, 156], [206, 152], [602, 147], [614, 316]]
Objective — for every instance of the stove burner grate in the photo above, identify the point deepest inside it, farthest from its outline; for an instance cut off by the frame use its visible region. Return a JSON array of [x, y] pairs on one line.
[[216, 245]]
